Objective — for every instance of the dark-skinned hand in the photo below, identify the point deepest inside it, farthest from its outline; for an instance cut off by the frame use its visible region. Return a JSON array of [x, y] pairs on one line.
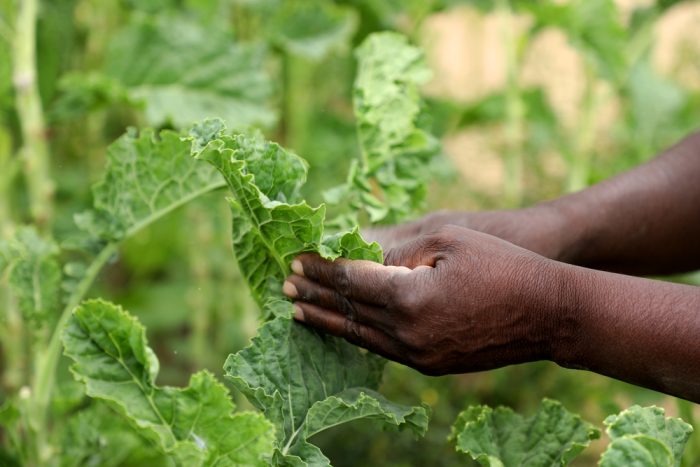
[[449, 302], [543, 229]]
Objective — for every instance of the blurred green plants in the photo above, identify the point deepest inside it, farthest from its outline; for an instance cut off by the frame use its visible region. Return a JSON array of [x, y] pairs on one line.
[[75, 74]]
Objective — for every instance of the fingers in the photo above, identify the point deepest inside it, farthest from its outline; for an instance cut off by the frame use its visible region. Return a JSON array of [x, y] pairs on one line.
[[300, 288], [363, 281], [356, 333]]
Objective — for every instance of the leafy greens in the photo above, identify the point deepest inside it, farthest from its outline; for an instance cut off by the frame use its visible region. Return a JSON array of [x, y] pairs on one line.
[[291, 373], [500, 437], [195, 425]]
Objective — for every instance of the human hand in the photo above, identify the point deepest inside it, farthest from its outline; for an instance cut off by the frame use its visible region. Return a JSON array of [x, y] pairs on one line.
[[450, 302], [543, 229]]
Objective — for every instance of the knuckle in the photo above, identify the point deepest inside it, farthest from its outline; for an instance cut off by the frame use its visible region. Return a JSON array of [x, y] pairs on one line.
[[352, 332], [346, 307], [392, 257], [409, 299], [342, 279], [413, 340], [449, 231]]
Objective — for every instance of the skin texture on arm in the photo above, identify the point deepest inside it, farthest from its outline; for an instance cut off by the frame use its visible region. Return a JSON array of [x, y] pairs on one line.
[[460, 301], [645, 332], [645, 221]]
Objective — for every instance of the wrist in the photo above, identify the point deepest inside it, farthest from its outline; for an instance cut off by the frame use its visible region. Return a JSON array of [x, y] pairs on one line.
[[565, 317], [571, 228]]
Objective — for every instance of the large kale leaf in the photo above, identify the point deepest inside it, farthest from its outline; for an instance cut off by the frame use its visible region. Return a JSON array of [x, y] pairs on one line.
[[303, 381]]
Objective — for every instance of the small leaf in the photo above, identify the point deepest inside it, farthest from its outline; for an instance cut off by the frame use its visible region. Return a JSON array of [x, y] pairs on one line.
[[34, 275], [643, 429], [637, 450], [195, 425], [500, 437]]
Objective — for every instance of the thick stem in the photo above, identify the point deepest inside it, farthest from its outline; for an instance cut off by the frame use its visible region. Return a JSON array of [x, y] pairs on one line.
[[34, 150]]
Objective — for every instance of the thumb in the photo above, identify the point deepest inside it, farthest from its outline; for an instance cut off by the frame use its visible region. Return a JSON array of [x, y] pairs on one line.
[[422, 251]]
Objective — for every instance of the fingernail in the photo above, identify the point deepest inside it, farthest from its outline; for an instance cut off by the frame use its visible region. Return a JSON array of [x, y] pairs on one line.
[[297, 267], [298, 313], [289, 289]]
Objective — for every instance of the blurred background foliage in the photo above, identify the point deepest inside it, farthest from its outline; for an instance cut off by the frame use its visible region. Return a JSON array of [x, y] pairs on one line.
[[533, 99]]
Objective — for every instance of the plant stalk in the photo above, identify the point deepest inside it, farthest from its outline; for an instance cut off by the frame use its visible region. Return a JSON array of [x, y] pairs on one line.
[[46, 360], [298, 101], [200, 293], [34, 150], [582, 157], [515, 112]]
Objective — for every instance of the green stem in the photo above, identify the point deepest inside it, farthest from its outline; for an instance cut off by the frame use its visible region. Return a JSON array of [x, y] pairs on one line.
[[200, 292], [46, 360], [34, 150], [12, 338], [514, 112], [8, 170], [580, 162], [298, 101]]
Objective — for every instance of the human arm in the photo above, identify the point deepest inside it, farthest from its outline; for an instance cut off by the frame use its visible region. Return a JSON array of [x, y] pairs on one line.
[[460, 301], [644, 221]]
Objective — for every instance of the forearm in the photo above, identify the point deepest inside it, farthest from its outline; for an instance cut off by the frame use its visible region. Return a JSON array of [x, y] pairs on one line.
[[641, 331], [645, 221]]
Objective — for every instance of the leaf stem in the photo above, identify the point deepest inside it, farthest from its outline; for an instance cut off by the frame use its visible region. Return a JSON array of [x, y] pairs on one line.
[[45, 369], [34, 150], [47, 360]]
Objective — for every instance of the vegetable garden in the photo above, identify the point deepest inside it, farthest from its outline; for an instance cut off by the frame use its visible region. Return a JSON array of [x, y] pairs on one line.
[[140, 140]]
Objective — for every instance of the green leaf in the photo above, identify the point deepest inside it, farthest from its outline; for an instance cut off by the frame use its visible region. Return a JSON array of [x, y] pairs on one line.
[[293, 374], [306, 382], [184, 72], [85, 92], [355, 403], [195, 425], [311, 29], [147, 176], [644, 434], [34, 275], [500, 437], [271, 222], [94, 436], [637, 451], [390, 181]]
